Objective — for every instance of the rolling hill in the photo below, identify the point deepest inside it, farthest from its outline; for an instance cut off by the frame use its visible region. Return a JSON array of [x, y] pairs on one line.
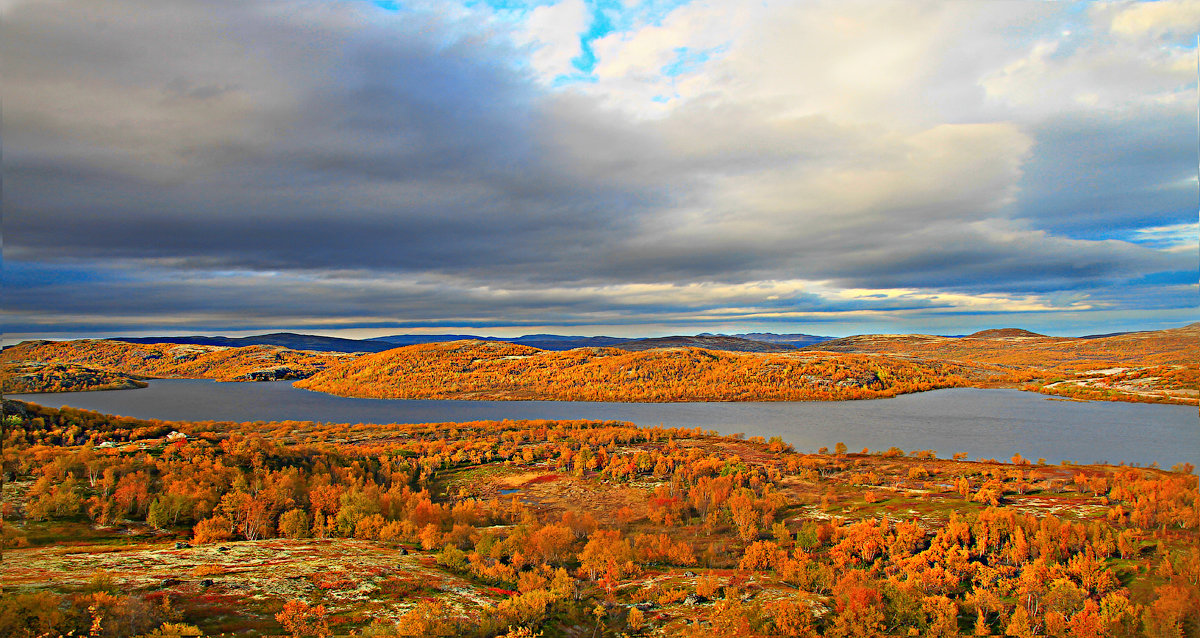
[[503, 371], [37, 376], [1154, 366], [222, 363], [1014, 347]]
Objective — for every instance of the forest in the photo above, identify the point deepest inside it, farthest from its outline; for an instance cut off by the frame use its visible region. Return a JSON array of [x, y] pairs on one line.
[[118, 527]]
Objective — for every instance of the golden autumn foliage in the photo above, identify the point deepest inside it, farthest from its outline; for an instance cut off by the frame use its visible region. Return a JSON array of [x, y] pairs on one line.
[[498, 370], [1177, 346], [1153, 366], [18, 377], [715, 536], [166, 360], [301, 619], [1150, 366]]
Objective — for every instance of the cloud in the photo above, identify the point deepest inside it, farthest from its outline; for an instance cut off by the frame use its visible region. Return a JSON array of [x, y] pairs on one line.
[[1173, 238], [248, 299], [388, 149], [1166, 17], [553, 32], [1067, 72], [344, 164]]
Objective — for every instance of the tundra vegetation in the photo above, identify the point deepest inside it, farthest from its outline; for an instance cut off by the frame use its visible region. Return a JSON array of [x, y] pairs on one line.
[[121, 527], [161, 360], [1153, 366], [498, 370]]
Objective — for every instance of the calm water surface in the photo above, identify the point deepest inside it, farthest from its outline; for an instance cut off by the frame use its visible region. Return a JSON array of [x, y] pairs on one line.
[[982, 423]]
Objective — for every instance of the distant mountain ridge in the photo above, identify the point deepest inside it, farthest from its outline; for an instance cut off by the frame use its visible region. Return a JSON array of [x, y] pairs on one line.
[[540, 341], [289, 340], [798, 340], [756, 342], [706, 341], [743, 342]]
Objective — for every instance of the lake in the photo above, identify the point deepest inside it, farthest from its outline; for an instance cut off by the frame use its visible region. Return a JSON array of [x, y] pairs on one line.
[[982, 423]]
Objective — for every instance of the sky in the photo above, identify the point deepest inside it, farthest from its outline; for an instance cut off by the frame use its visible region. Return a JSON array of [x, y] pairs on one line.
[[616, 167]]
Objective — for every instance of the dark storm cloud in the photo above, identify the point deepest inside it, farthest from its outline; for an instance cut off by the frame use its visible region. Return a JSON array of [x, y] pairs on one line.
[[407, 154], [983, 258], [1101, 176]]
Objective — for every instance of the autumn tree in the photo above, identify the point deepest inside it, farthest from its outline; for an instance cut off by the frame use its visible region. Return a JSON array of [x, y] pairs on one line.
[[858, 608], [791, 618], [212, 530], [428, 618], [29, 615], [294, 524], [607, 554], [299, 619]]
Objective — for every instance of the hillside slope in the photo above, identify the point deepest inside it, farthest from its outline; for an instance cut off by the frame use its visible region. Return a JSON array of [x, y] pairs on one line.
[[1156, 365], [1177, 346], [496, 370], [38, 376], [250, 363]]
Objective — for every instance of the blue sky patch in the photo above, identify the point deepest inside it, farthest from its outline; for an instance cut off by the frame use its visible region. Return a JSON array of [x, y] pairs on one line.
[[24, 275], [1170, 277], [601, 25], [688, 60], [518, 6]]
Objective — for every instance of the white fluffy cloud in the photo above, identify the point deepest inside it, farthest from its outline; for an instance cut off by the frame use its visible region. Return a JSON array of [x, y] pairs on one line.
[[1157, 19], [552, 33]]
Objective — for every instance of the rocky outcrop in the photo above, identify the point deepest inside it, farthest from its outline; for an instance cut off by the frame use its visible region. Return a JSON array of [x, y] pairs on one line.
[[276, 373]]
